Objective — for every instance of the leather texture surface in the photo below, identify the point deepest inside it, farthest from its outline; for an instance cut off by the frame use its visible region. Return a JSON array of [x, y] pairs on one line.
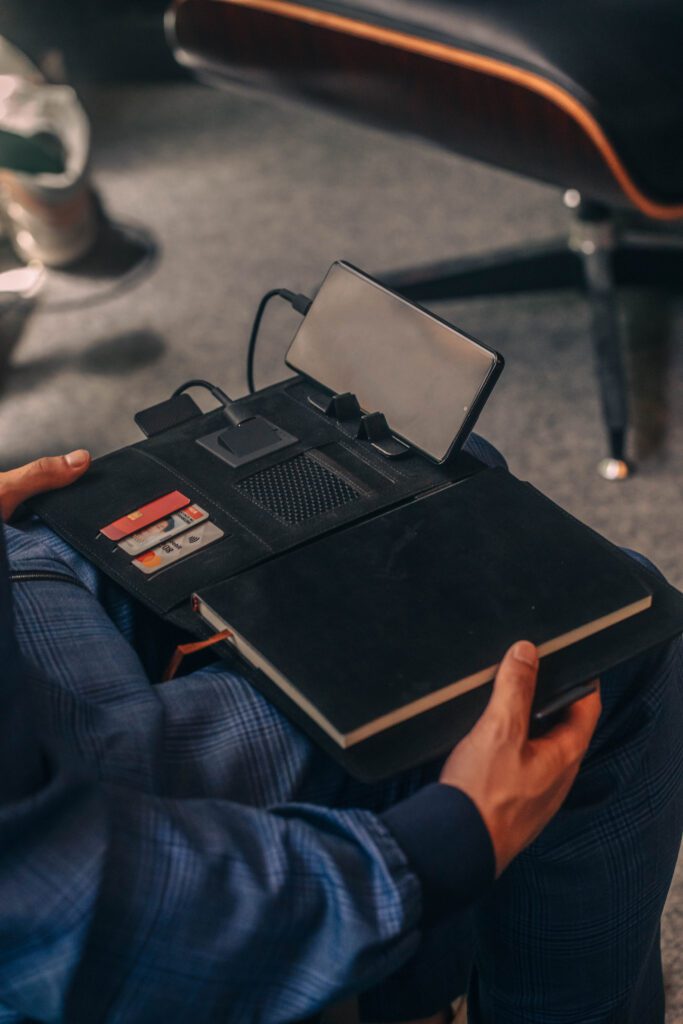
[[623, 59], [588, 94], [254, 527]]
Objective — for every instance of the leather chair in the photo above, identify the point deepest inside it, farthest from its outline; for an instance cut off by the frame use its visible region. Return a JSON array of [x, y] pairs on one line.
[[586, 95]]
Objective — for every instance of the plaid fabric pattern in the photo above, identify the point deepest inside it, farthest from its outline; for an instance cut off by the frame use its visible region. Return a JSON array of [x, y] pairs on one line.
[[569, 934], [221, 868], [166, 892]]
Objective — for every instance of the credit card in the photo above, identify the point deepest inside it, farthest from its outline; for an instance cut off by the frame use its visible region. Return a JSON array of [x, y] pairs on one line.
[[163, 530], [145, 515], [179, 547]]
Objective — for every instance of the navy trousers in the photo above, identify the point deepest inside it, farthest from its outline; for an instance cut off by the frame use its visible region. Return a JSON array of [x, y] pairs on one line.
[[570, 932]]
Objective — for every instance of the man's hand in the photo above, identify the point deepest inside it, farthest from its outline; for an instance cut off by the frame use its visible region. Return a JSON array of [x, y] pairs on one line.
[[518, 784], [46, 474]]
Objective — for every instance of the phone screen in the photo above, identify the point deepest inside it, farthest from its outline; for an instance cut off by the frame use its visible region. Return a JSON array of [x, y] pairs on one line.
[[428, 378]]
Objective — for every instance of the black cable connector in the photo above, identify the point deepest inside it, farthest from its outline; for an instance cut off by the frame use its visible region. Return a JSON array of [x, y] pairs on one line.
[[230, 407], [300, 303]]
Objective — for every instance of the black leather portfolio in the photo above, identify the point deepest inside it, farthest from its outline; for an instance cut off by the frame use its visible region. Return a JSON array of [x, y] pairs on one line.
[[369, 597]]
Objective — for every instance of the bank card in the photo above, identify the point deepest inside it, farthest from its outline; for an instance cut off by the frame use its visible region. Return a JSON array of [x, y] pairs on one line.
[[166, 528], [178, 547], [143, 516]]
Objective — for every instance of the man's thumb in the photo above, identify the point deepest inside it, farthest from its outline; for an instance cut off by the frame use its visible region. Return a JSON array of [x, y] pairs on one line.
[[515, 685], [50, 472]]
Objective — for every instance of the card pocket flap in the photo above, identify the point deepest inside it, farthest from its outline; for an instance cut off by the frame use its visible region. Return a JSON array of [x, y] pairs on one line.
[[120, 483]]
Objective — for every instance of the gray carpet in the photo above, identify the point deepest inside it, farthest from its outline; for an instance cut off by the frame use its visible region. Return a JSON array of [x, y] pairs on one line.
[[242, 195]]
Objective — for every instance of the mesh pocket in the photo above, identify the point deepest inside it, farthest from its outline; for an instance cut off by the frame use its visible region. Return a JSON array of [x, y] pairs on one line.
[[297, 490]]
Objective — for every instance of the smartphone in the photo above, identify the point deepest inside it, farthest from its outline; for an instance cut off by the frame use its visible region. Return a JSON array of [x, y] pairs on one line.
[[429, 379]]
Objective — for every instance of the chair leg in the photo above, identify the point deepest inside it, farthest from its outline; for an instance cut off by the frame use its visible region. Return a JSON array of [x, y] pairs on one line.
[[594, 241], [597, 260]]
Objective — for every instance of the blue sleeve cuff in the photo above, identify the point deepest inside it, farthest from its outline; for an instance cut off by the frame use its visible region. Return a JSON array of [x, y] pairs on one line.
[[447, 845]]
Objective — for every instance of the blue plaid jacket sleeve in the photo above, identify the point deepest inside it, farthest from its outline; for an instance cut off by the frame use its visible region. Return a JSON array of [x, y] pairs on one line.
[[226, 912], [121, 906]]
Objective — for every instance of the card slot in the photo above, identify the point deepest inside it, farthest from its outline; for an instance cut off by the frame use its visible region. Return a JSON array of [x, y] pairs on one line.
[[187, 563], [122, 482], [220, 512], [174, 583], [129, 505], [115, 485]]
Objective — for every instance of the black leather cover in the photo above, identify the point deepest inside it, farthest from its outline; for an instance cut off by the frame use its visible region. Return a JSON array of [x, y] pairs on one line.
[[345, 479]]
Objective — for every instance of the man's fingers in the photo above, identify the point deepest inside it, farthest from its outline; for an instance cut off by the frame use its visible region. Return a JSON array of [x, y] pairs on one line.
[[44, 474], [513, 690], [573, 734], [51, 472]]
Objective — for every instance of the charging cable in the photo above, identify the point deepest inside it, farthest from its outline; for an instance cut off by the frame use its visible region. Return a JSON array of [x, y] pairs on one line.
[[230, 407], [301, 303]]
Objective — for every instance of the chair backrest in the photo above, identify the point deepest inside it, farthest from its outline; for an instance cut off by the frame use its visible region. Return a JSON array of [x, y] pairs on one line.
[[490, 96]]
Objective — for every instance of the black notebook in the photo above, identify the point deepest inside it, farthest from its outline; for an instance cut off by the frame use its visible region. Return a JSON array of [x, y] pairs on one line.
[[384, 621]]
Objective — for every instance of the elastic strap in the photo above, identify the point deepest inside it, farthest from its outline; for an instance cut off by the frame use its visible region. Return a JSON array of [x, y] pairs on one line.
[[183, 649]]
